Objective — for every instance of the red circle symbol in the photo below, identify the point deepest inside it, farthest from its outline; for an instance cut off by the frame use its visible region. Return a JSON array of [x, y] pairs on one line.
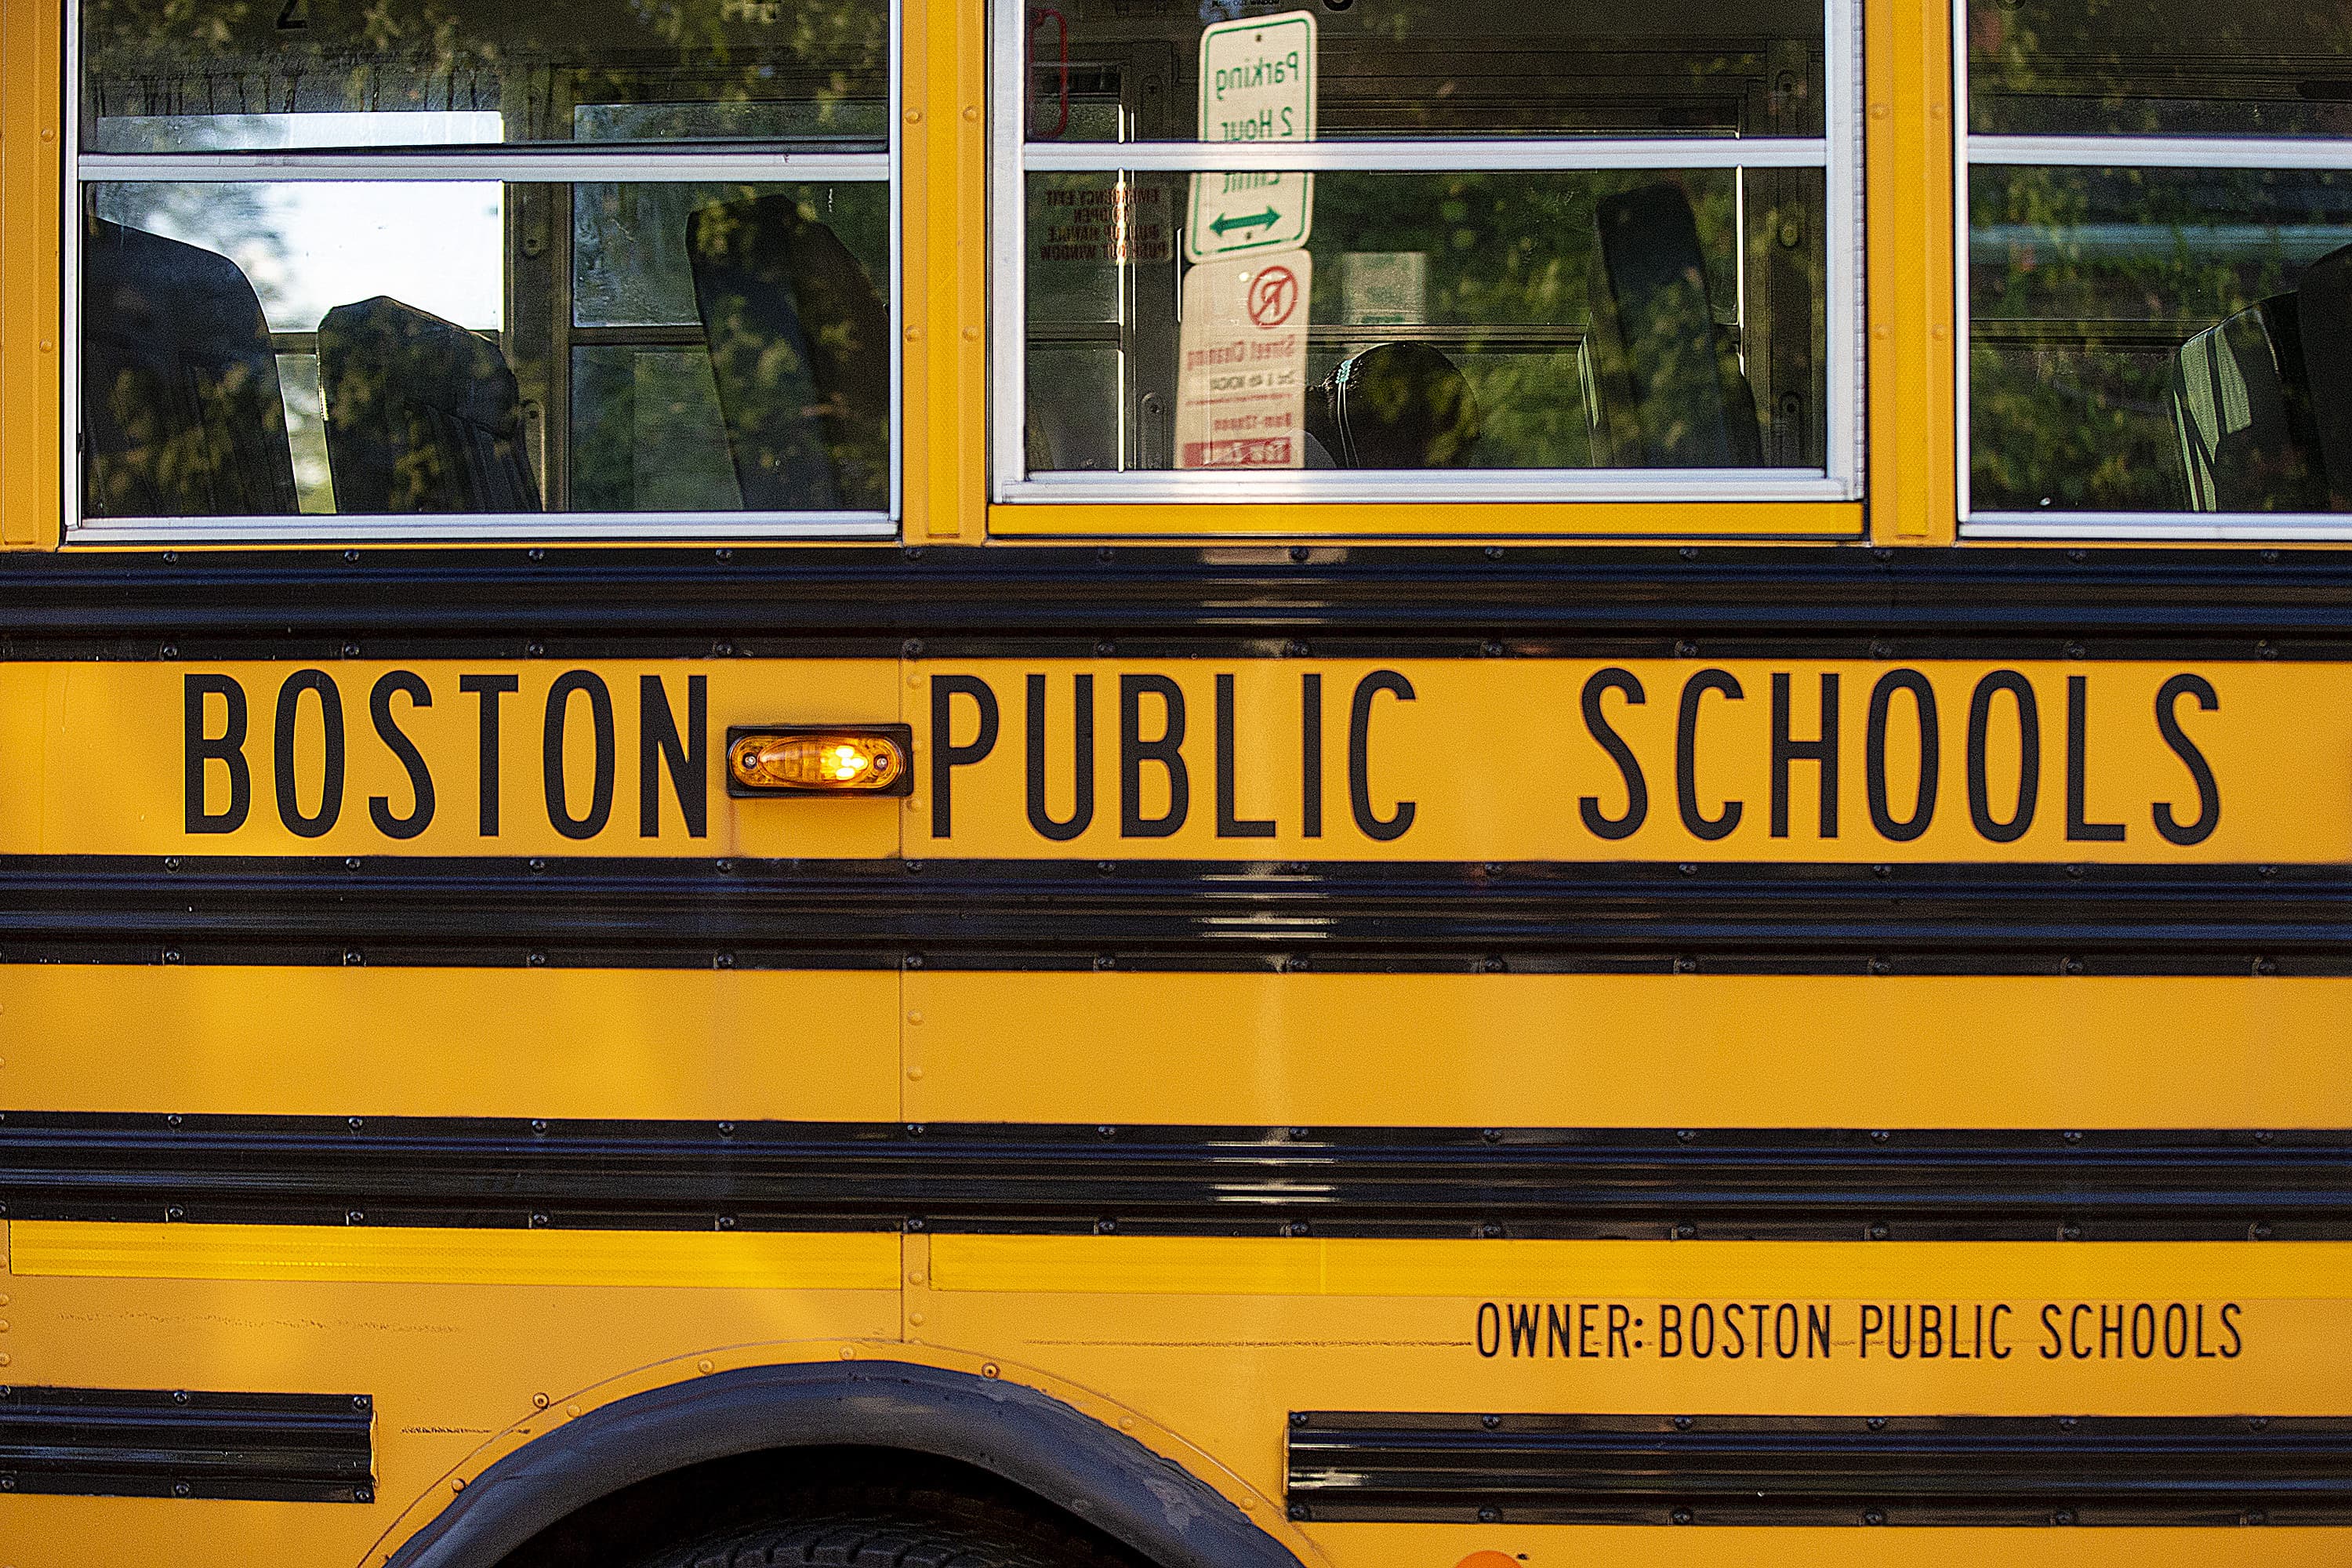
[[1273, 296]]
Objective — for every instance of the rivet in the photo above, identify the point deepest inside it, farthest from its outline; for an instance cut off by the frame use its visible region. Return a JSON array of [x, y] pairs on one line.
[[1881, 111], [971, 334], [572, 1410], [914, 334], [48, 346], [849, 1352], [914, 1017], [916, 1277], [914, 117], [971, 112], [915, 1317], [988, 1369], [457, 1483], [702, 1366], [48, 134], [539, 1401], [914, 1072]]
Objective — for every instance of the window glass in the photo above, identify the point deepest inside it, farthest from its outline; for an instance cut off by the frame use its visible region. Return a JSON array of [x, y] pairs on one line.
[[327, 73], [1439, 67], [2160, 67], [1500, 328], [261, 349], [2117, 314]]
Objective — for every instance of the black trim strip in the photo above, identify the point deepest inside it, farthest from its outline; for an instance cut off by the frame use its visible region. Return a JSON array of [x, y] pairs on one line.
[[1821, 1469], [1446, 600], [1635, 918], [187, 1443], [1722, 1184]]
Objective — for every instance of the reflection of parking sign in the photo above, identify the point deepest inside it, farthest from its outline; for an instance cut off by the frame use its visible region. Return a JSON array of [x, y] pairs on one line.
[[1257, 84], [1274, 294]]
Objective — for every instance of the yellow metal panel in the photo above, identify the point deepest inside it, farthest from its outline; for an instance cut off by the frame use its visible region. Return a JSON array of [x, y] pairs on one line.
[[1697, 1050], [706, 1044], [31, 156], [850, 1261], [92, 758], [1500, 764], [944, 170], [1587, 1271], [1908, 158], [1757, 520]]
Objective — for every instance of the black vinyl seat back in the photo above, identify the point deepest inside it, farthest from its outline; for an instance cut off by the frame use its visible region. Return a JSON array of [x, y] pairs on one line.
[[181, 411], [422, 416], [1669, 390], [800, 349], [1393, 406], [2261, 402]]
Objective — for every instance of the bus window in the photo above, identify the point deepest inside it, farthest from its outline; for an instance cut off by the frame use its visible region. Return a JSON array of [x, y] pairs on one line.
[[441, 282], [1590, 262], [2158, 240]]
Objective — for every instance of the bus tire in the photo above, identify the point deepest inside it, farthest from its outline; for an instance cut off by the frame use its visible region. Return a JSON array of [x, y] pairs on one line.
[[903, 1534]]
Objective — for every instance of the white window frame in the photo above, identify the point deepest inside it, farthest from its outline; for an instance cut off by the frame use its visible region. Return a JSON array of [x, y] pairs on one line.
[[2222, 152], [1837, 153], [520, 163]]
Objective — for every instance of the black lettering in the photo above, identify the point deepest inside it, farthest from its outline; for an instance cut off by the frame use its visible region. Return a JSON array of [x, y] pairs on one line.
[[2074, 1331], [2056, 1347], [1360, 763], [1686, 756], [2080, 829], [1310, 756], [2176, 1330], [1902, 830], [1229, 824], [688, 761], [1526, 1324], [1702, 1314], [1931, 1331], [1670, 1332], [1629, 767], [2143, 1315], [1557, 1341], [1584, 1327], [489, 689], [1786, 749], [227, 748], [2230, 1311], [1899, 1315], [1490, 1330], [1733, 1327], [1873, 1321], [2111, 1331], [331, 784], [1784, 1317], [2208, 793], [1166, 749], [1817, 1331], [2202, 1353], [406, 683], [1992, 1335], [551, 755], [1620, 1319], [946, 756], [1082, 760], [2029, 770]]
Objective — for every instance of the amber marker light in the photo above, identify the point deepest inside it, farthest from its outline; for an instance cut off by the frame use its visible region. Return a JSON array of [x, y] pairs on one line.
[[820, 759]]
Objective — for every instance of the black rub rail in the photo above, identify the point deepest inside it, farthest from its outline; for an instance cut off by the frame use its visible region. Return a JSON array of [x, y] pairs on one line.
[[1633, 918], [756, 601], [1465, 1182], [1821, 1470], [187, 1443]]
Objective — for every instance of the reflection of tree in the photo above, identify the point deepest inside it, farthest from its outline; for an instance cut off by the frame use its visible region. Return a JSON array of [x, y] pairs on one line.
[[528, 63], [2085, 281]]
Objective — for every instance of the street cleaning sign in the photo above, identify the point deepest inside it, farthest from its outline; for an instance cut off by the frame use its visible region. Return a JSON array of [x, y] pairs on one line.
[[1241, 392], [1257, 84]]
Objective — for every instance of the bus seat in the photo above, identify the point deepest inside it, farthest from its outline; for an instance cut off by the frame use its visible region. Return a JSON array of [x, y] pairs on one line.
[[422, 416], [181, 411], [1393, 406], [1670, 393], [2243, 416], [800, 349]]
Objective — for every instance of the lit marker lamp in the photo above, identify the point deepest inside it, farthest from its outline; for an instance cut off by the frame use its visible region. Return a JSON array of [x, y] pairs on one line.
[[820, 759]]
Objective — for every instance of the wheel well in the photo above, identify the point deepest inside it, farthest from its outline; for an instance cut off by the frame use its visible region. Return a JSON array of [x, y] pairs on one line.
[[745, 1489]]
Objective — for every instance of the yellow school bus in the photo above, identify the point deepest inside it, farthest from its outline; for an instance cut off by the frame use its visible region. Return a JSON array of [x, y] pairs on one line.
[[1099, 783]]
